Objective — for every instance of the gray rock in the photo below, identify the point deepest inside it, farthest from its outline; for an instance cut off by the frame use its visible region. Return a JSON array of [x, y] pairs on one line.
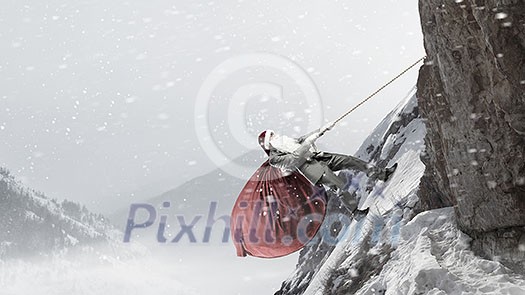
[[471, 92]]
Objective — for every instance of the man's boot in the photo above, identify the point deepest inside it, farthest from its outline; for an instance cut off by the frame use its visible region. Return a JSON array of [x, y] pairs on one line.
[[385, 174], [350, 203], [388, 172], [348, 200]]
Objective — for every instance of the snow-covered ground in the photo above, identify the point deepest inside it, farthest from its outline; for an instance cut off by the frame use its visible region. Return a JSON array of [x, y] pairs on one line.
[[170, 269], [66, 277], [433, 257]]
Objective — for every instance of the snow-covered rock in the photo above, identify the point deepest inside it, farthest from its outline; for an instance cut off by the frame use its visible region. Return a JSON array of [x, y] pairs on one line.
[[390, 251], [433, 257]]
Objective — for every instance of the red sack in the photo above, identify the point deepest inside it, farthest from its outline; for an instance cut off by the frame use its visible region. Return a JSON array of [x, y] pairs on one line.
[[276, 215]]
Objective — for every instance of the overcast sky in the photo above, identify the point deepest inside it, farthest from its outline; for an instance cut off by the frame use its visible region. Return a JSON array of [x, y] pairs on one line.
[[99, 99]]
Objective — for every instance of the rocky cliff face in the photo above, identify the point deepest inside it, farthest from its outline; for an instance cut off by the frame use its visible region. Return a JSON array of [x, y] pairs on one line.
[[471, 92]]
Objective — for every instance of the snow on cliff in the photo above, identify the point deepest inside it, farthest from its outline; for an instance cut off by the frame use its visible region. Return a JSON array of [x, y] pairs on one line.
[[391, 251]]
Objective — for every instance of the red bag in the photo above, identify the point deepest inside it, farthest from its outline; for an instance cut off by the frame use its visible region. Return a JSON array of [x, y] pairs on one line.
[[275, 214]]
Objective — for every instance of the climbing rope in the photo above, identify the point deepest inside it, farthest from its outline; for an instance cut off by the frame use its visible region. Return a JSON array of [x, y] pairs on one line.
[[378, 90]]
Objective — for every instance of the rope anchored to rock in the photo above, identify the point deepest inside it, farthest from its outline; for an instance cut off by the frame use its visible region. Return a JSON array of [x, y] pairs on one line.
[[376, 92]]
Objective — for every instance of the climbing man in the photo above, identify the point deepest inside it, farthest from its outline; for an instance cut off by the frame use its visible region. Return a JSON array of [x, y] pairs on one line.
[[290, 154]]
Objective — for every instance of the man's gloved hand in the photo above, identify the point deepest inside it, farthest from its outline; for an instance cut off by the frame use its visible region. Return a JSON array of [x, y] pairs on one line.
[[326, 127], [312, 138]]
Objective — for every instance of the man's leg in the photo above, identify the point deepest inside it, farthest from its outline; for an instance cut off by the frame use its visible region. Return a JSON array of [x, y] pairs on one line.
[[338, 162], [333, 181]]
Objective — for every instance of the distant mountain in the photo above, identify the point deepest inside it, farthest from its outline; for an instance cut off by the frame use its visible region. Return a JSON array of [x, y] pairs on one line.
[[32, 224], [54, 247], [216, 189]]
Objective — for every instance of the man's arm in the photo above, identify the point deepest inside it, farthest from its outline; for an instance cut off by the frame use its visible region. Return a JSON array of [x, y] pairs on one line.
[[292, 161], [302, 138], [321, 131]]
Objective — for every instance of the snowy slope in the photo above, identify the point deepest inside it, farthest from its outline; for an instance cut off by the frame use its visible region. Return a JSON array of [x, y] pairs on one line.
[[31, 224], [390, 251], [433, 257], [318, 257], [49, 247]]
